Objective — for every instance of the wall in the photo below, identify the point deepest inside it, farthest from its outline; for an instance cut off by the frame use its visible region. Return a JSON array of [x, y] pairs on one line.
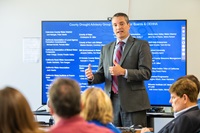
[[22, 18]]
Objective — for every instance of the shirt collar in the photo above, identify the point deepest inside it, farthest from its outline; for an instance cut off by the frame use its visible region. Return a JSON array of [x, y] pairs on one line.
[[125, 40], [182, 111]]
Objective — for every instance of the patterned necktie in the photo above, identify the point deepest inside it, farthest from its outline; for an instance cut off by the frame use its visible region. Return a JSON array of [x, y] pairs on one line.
[[117, 59]]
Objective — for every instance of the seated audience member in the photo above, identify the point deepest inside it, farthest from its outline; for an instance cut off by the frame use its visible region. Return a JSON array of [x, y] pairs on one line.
[[196, 81], [184, 93], [65, 106], [15, 113], [97, 108]]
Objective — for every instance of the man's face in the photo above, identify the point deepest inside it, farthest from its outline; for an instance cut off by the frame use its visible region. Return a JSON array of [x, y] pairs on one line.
[[178, 103], [120, 27]]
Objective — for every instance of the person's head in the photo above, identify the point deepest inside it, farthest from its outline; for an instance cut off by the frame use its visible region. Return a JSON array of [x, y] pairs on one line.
[[15, 115], [121, 25], [96, 105], [184, 93], [193, 78], [64, 97]]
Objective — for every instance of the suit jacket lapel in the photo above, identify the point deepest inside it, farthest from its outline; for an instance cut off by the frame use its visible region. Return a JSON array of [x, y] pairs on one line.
[[110, 54], [128, 46]]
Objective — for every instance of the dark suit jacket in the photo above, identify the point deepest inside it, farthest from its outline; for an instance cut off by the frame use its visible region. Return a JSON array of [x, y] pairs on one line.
[[137, 59], [187, 122]]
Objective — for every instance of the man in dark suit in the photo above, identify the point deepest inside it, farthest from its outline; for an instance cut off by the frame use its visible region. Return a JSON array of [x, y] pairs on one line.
[[184, 93], [130, 99]]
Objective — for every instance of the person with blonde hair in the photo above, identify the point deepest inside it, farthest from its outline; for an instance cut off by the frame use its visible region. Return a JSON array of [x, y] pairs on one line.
[[97, 108], [15, 113]]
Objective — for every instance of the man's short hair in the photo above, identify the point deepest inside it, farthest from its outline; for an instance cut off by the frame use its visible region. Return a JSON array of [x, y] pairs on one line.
[[64, 97], [193, 78], [185, 86], [120, 14]]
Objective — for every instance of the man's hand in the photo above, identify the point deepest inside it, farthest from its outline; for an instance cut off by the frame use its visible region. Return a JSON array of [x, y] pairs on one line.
[[88, 72], [116, 70]]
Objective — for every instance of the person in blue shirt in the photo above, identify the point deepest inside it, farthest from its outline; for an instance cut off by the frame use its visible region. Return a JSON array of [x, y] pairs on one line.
[[97, 108]]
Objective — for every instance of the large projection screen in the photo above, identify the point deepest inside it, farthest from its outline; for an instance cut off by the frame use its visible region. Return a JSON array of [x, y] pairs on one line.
[[69, 46]]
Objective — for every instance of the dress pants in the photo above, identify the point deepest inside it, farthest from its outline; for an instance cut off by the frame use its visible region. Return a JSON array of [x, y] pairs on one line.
[[127, 119]]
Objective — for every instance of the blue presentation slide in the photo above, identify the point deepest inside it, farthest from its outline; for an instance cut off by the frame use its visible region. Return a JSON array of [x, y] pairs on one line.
[[69, 46]]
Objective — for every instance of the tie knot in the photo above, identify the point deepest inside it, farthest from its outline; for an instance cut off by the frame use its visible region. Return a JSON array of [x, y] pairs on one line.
[[121, 43]]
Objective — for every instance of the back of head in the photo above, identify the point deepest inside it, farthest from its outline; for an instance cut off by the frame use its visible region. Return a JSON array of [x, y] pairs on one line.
[[96, 106], [64, 97], [185, 86], [15, 115]]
